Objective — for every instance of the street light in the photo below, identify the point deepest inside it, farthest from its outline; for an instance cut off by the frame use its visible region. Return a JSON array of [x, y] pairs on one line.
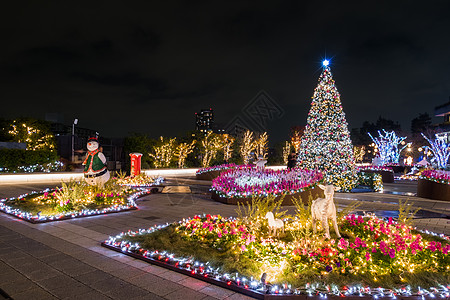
[[75, 122]]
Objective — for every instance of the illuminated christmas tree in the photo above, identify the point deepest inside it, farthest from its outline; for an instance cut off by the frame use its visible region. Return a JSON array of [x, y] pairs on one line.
[[326, 143]]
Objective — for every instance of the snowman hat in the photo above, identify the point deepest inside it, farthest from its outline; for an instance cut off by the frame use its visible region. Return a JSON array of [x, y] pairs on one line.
[[93, 139]]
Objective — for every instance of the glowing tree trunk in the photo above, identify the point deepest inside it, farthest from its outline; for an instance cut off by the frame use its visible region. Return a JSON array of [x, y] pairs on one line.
[[247, 146], [182, 151], [296, 138], [326, 143], [164, 153], [286, 151], [261, 145], [228, 141], [388, 145], [440, 149], [210, 145], [359, 152]]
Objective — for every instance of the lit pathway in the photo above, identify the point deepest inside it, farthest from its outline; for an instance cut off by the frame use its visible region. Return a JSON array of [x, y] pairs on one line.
[[65, 260]]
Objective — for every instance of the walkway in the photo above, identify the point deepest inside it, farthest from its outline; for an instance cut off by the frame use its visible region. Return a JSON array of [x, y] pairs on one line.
[[64, 260]]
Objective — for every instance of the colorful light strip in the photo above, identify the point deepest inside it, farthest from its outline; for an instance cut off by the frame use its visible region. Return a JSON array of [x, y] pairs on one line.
[[255, 287], [131, 205], [247, 181]]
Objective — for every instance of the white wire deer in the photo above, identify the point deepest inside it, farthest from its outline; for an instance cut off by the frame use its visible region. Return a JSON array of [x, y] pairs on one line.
[[323, 209], [274, 224]]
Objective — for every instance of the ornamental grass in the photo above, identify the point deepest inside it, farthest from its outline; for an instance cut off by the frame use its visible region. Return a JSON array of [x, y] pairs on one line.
[[71, 196], [371, 252]]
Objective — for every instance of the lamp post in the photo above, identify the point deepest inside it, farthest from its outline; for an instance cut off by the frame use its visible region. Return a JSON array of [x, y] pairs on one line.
[[75, 122]]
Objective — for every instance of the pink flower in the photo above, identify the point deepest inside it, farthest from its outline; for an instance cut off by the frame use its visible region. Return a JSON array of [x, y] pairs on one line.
[[343, 244], [367, 256], [391, 253]]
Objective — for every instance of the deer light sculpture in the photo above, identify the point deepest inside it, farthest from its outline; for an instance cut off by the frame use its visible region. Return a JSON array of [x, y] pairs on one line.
[[323, 209], [274, 224]]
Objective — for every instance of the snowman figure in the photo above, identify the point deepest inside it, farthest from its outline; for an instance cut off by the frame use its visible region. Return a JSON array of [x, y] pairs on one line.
[[95, 171]]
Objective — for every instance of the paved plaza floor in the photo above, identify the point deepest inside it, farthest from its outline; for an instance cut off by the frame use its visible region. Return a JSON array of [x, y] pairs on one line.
[[64, 260]]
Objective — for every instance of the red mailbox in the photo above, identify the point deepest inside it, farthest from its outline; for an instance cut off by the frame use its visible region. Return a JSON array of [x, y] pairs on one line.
[[135, 164]]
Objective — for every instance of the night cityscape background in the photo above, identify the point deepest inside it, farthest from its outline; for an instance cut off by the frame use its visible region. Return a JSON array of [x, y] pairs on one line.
[[147, 67]]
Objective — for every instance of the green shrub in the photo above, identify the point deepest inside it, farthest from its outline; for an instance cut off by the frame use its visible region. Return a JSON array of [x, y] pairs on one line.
[[12, 159], [371, 180]]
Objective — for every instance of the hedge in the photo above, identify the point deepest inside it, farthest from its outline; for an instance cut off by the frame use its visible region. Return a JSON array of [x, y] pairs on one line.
[[12, 159]]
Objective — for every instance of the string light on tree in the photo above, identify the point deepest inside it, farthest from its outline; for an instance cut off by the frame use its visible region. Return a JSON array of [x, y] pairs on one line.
[[261, 145], [35, 135], [440, 149], [211, 143], [228, 142], [182, 151], [296, 137], [164, 153], [359, 152], [326, 143], [247, 146], [389, 146]]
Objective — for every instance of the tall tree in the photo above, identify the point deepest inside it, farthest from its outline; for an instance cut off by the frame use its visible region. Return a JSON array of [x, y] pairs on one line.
[[326, 143], [35, 133], [420, 124], [247, 146]]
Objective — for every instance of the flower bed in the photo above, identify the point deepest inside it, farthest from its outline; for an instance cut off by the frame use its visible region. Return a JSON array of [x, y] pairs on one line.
[[375, 258], [209, 173], [73, 200], [434, 184], [140, 180], [240, 185], [436, 176]]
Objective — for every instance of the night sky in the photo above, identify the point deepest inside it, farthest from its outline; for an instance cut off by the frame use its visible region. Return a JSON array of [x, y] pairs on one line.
[[148, 66]]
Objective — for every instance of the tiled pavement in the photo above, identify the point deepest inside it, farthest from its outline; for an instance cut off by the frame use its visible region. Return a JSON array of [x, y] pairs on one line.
[[64, 260]]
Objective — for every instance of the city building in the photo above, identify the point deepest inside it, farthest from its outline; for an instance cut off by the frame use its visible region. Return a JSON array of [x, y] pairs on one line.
[[444, 127], [204, 120]]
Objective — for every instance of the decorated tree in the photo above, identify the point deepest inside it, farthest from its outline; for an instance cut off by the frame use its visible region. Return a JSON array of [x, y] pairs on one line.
[[441, 150], [326, 143], [261, 145], [227, 142], [182, 150], [389, 146], [163, 153], [36, 134], [359, 152], [247, 146], [296, 137], [211, 143]]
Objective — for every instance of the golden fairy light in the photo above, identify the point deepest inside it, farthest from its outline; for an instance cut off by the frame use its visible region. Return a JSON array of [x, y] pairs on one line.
[[211, 143], [182, 151], [30, 134], [359, 152], [286, 151], [228, 141], [261, 145], [247, 146], [164, 153], [296, 137]]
